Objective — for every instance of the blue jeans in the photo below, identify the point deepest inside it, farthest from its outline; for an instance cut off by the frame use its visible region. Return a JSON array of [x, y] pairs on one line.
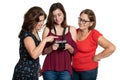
[[85, 75], [56, 75]]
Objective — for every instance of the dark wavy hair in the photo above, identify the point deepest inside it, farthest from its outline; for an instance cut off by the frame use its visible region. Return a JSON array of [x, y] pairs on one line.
[[91, 16], [50, 21], [31, 18]]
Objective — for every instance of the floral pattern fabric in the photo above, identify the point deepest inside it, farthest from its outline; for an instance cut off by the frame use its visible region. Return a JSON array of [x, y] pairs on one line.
[[27, 67]]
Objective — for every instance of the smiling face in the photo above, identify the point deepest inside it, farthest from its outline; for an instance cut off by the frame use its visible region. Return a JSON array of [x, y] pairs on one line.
[[58, 16], [84, 22], [87, 20], [40, 22]]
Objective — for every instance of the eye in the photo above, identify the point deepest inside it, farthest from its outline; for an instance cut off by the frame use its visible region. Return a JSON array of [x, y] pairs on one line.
[[59, 14], [83, 20]]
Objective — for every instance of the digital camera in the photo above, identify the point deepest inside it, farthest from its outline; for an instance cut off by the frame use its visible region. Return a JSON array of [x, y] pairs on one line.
[[61, 44]]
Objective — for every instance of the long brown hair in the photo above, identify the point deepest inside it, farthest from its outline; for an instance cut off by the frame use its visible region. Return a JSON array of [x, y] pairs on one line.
[[31, 18], [50, 20]]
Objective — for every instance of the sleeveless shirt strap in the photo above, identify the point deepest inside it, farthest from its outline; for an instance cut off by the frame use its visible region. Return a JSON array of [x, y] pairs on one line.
[[63, 33], [54, 30], [68, 28]]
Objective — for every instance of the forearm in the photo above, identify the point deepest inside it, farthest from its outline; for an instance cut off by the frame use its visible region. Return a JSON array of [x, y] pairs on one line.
[[39, 49], [105, 53], [71, 50], [48, 50]]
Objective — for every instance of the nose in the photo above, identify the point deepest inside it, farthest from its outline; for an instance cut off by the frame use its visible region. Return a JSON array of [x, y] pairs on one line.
[[56, 17], [41, 22]]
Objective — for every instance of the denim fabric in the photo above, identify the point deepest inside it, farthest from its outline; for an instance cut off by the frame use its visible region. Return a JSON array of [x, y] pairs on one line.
[[85, 75], [56, 75]]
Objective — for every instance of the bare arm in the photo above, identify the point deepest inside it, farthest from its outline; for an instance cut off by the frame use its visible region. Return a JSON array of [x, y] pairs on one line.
[[34, 50], [48, 49], [73, 34], [109, 48]]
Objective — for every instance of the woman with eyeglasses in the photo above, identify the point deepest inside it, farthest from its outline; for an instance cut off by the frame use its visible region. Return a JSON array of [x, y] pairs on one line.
[[85, 60]]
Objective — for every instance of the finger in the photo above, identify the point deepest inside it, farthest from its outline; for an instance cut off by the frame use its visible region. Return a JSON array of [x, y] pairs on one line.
[[55, 37]]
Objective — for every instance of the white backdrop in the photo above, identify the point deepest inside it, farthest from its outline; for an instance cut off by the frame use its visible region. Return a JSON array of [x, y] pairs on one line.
[[11, 19]]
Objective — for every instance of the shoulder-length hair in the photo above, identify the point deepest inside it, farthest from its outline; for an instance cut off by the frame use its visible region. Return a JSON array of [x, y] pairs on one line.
[[31, 18], [91, 16]]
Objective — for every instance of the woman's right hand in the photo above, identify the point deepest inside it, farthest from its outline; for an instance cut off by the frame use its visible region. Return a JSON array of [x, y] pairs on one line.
[[55, 46], [50, 38]]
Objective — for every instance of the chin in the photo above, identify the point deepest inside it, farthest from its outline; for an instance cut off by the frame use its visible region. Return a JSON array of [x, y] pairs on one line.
[[38, 29], [58, 23]]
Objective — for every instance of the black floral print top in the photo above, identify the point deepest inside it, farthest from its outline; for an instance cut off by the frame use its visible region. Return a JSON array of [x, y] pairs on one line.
[[27, 67]]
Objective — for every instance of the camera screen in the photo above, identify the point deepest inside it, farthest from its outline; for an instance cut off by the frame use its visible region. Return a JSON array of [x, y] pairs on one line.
[[62, 41]]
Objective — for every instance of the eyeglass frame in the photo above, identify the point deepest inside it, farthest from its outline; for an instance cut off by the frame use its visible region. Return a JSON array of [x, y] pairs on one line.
[[83, 20]]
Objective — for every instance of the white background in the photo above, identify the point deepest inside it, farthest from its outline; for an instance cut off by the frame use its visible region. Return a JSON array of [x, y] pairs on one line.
[[11, 19]]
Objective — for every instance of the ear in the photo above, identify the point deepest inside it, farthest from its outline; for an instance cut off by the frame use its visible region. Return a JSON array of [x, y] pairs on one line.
[[91, 23]]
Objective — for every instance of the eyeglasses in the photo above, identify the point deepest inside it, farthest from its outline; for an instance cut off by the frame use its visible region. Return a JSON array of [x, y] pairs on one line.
[[83, 20]]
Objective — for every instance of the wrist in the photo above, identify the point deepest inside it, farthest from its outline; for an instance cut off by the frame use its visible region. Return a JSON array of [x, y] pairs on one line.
[[45, 40], [96, 58]]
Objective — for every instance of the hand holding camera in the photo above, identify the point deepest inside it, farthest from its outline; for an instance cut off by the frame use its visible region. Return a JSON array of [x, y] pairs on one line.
[[61, 44]]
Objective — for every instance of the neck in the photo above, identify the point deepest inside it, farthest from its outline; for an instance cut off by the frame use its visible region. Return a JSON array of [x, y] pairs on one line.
[[58, 26], [35, 33], [84, 32]]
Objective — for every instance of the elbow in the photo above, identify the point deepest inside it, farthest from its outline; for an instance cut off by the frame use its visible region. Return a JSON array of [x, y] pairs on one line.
[[34, 56], [112, 49]]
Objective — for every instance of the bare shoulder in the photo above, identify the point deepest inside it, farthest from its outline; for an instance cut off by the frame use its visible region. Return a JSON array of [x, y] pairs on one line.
[[46, 29], [72, 29], [73, 32], [45, 32]]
